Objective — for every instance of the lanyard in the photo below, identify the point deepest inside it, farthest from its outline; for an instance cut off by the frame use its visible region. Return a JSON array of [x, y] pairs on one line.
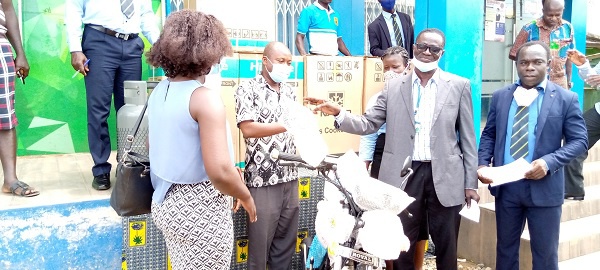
[[419, 95]]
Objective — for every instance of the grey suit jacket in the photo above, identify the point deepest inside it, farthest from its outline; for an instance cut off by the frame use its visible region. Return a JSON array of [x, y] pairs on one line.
[[453, 145]]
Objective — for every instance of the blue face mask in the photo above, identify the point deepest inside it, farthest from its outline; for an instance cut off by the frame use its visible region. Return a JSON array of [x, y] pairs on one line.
[[387, 4]]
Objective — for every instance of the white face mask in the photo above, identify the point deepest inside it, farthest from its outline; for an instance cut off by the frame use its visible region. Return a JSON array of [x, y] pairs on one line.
[[424, 67], [390, 74], [280, 72], [212, 80], [524, 97]]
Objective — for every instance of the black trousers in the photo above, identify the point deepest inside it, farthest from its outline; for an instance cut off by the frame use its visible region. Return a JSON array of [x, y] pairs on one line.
[[377, 155], [112, 61], [376, 165], [574, 170], [444, 222]]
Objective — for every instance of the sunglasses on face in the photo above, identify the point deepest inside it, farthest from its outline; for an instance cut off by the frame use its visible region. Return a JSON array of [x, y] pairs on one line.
[[432, 49]]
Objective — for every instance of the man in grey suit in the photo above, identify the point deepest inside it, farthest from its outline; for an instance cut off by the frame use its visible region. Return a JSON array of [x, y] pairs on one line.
[[429, 117]]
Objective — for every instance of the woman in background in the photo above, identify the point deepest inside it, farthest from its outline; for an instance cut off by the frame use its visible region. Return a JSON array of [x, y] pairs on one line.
[[190, 145]]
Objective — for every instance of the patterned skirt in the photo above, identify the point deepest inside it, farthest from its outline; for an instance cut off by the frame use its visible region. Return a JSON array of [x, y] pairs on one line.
[[8, 119], [197, 225]]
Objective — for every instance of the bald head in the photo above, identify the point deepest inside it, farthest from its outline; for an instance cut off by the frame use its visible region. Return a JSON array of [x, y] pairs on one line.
[[276, 47], [554, 3], [553, 11]]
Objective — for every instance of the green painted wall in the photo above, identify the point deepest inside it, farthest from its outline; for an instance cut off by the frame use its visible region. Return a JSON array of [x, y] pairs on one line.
[[51, 106]]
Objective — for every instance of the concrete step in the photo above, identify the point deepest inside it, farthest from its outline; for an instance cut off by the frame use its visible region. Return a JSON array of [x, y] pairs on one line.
[[594, 153], [591, 173], [582, 262], [484, 194], [572, 210], [477, 241], [578, 237]]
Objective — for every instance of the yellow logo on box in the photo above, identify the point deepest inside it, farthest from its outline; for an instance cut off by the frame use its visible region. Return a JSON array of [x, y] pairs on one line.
[[123, 262], [241, 250], [137, 233], [304, 188], [301, 235]]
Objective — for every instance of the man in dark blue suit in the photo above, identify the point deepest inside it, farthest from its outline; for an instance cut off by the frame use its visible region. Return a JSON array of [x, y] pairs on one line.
[[529, 120]]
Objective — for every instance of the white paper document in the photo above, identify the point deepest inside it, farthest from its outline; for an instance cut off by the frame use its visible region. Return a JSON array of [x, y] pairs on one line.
[[471, 213], [302, 124], [508, 173]]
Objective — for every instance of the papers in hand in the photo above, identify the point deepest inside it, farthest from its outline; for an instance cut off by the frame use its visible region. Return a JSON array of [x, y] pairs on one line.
[[471, 213], [508, 173], [302, 124]]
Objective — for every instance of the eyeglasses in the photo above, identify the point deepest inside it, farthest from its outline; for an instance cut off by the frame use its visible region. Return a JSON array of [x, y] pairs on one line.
[[432, 49]]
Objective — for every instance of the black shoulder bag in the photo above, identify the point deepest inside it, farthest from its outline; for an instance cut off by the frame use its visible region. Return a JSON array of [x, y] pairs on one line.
[[132, 192]]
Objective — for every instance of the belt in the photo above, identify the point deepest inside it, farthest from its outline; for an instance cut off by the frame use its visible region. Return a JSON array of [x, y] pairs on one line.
[[422, 161], [113, 33]]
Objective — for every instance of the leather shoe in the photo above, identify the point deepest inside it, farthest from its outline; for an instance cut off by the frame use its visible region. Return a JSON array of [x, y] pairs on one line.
[[575, 198], [101, 182]]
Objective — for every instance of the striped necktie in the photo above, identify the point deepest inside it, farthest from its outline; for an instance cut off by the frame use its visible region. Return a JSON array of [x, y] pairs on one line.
[[397, 33], [519, 145], [127, 8]]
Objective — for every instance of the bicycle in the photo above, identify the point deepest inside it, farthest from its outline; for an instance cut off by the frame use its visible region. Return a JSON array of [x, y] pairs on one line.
[[347, 254]]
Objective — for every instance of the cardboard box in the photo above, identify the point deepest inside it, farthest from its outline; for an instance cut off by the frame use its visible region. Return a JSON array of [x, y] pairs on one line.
[[338, 79], [230, 81], [296, 80], [374, 80], [250, 24], [189, 4]]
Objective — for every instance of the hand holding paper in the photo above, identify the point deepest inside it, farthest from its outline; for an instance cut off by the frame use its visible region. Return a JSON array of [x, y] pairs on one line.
[[472, 212], [538, 170], [511, 172]]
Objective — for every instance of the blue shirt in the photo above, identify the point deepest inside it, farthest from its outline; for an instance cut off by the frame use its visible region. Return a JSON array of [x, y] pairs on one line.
[[534, 111], [174, 139], [320, 26], [366, 147]]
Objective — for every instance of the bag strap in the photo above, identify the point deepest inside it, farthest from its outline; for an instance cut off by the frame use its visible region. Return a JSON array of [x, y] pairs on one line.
[[136, 127]]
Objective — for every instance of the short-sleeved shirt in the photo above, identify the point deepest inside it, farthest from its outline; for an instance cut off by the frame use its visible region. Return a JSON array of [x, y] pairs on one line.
[[3, 29], [256, 101], [560, 39], [321, 27]]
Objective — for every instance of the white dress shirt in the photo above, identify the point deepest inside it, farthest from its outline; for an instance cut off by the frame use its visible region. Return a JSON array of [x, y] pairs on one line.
[[584, 71], [423, 117], [424, 106], [388, 20], [107, 13]]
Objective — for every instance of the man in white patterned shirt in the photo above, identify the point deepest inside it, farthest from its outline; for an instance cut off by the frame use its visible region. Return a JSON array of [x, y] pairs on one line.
[[260, 104]]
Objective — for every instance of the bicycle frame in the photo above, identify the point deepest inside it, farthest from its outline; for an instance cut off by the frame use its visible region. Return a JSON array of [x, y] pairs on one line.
[[345, 250]]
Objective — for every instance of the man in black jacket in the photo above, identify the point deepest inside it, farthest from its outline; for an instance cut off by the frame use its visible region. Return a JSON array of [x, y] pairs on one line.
[[391, 28]]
